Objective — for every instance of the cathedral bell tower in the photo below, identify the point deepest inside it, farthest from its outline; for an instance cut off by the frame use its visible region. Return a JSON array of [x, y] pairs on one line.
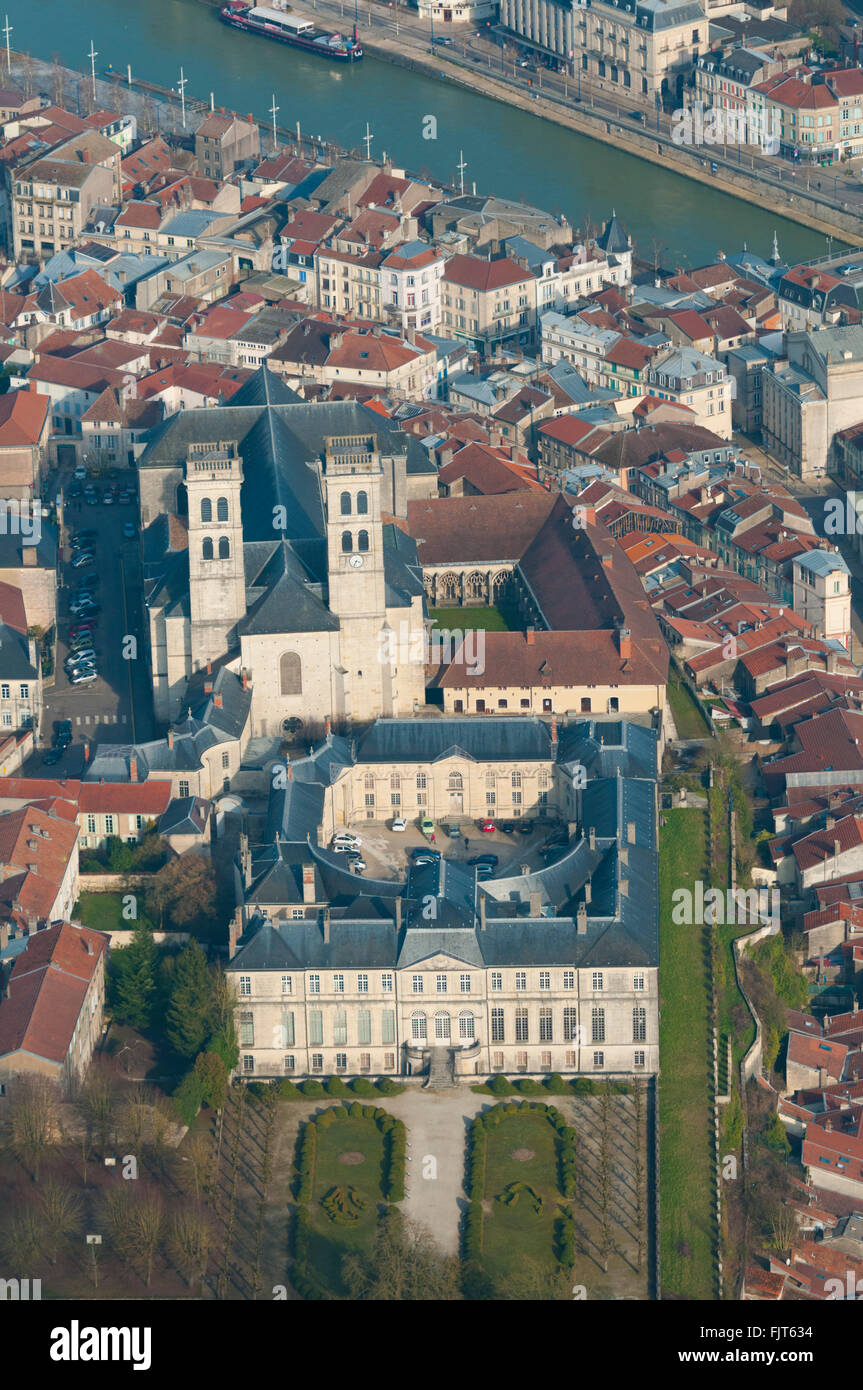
[[353, 477], [217, 582]]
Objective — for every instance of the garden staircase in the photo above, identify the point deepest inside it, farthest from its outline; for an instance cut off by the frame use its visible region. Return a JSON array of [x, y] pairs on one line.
[[441, 1072]]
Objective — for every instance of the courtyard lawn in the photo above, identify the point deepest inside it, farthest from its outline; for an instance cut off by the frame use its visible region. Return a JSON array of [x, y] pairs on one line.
[[488, 619], [104, 912], [685, 1120], [687, 716], [512, 1234], [337, 1164]]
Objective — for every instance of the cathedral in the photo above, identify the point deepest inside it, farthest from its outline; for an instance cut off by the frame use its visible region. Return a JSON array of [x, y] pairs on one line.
[[271, 544]]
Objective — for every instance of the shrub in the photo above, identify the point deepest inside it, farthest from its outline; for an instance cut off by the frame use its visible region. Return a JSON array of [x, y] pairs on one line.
[[189, 1097], [565, 1239], [499, 1086], [355, 1110], [529, 1087], [326, 1118], [556, 1086], [287, 1090], [472, 1233], [311, 1087], [260, 1089], [306, 1163], [584, 1086], [361, 1086], [511, 1109], [388, 1087], [477, 1147], [334, 1086], [395, 1162]]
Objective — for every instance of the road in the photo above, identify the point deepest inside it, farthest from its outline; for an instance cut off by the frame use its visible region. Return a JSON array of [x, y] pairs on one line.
[[117, 708]]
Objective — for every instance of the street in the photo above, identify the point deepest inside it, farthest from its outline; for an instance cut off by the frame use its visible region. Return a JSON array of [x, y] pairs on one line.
[[117, 707]]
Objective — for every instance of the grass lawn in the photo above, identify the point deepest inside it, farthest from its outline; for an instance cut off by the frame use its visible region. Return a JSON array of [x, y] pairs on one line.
[[685, 1121], [687, 715], [489, 619], [330, 1240], [510, 1234], [104, 912]]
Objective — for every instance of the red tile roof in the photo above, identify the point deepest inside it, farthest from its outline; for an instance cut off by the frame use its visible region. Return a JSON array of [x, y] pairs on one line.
[[476, 274], [47, 989]]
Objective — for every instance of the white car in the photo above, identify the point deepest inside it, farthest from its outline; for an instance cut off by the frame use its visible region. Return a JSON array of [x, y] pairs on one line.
[[400, 823], [344, 842], [80, 473]]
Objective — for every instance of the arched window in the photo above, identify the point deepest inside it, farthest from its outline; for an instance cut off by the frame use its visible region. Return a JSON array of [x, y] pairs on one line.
[[345, 504], [206, 509], [290, 674], [362, 503], [456, 782], [466, 1027], [222, 509], [418, 1027], [442, 1027], [347, 542], [363, 540], [224, 548], [207, 548]]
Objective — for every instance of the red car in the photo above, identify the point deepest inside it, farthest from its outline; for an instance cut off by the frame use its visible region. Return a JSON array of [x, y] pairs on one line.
[[83, 629], [487, 827]]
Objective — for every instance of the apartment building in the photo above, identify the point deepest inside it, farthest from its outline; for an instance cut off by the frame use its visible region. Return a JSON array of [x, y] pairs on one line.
[[489, 304], [699, 382], [822, 594], [645, 47], [811, 396], [53, 196], [349, 285], [411, 285], [223, 142]]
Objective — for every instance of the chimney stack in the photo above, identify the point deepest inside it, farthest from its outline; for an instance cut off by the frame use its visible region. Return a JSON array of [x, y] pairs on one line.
[[624, 640], [535, 904], [170, 738], [530, 636], [581, 920], [308, 883], [217, 701], [630, 831], [133, 768], [325, 916], [554, 731], [245, 679], [482, 909], [591, 837]]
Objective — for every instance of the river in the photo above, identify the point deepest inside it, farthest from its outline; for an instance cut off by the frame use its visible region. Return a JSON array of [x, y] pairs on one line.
[[506, 150]]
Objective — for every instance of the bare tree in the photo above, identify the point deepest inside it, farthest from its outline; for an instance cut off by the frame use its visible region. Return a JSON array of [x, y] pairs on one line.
[[34, 1121], [61, 1212], [23, 1236], [96, 1103], [58, 79], [148, 1223], [189, 1241], [198, 1152]]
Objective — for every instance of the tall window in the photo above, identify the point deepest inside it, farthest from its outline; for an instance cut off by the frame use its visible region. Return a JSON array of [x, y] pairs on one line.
[[440, 984], [545, 1025], [417, 984], [442, 1027], [345, 504], [222, 509], [497, 1029], [362, 503], [245, 984], [597, 1024], [347, 542], [316, 1026], [340, 1026], [520, 979], [207, 548], [597, 979], [464, 983], [418, 1027], [545, 979], [496, 980], [639, 1024], [224, 548], [466, 1027], [521, 1024], [388, 1026], [363, 540], [206, 509], [247, 1029], [338, 984], [290, 674], [314, 984], [570, 1025], [364, 1025], [569, 979]]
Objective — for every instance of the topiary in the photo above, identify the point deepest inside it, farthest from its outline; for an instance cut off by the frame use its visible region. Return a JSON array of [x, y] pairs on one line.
[[361, 1086], [499, 1086], [334, 1086], [528, 1087], [312, 1087], [288, 1091], [387, 1087]]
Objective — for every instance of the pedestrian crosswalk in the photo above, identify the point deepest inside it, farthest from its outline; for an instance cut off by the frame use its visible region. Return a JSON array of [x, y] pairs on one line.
[[100, 719]]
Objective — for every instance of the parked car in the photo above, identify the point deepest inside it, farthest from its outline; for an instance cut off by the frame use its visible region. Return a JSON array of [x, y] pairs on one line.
[[491, 859], [62, 729], [487, 827], [427, 856], [345, 841], [358, 865], [80, 473], [484, 870], [525, 827], [84, 610], [507, 826], [79, 654], [399, 824], [637, 116], [87, 678], [443, 42], [129, 532], [107, 499], [124, 498], [84, 560], [83, 629], [91, 499], [75, 491], [54, 755], [427, 825]]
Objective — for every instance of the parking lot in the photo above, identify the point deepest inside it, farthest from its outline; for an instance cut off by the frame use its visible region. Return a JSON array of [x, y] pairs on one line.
[[386, 852], [117, 706]]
